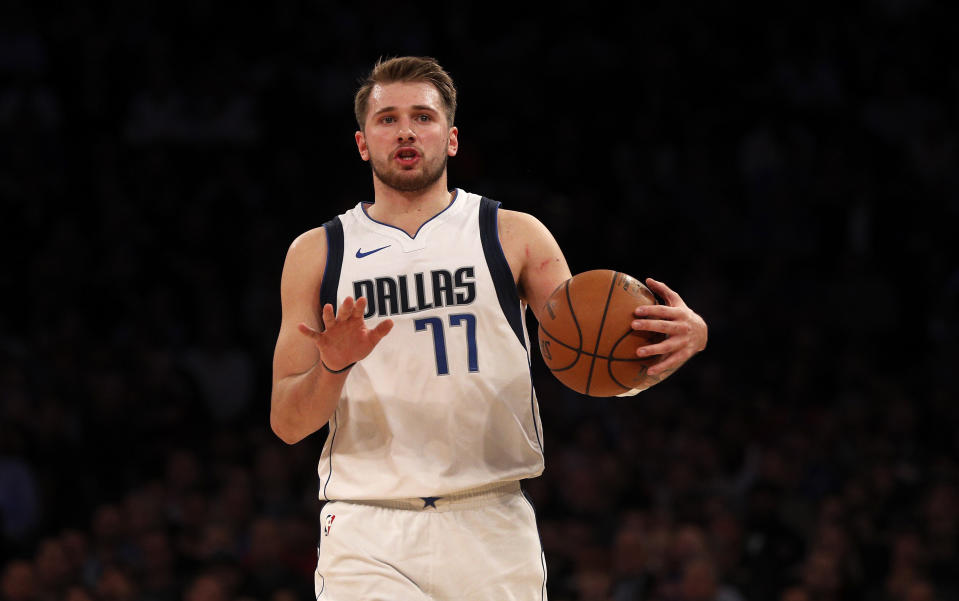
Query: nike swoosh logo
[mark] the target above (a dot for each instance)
(360, 254)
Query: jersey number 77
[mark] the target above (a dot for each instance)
(436, 325)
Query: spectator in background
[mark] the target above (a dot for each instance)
(632, 578)
(822, 576)
(795, 593)
(116, 584)
(75, 543)
(770, 544)
(52, 570)
(19, 494)
(273, 481)
(206, 587)
(701, 582)
(158, 569)
(109, 546)
(78, 593)
(920, 590)
(222, 367)
(267, 560)
(939, 511)
(18, 582)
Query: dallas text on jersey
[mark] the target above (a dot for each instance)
(390, 295)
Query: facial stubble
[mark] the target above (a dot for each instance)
(400, 180)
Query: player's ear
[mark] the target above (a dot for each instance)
(454, 144)
(361, 145)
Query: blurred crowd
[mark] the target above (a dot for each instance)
(791, 173)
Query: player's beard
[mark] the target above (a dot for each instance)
(404, 181)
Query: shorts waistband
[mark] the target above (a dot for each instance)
(474, 497)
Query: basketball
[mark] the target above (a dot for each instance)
(585, 336)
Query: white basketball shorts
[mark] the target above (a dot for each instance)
(481, 545)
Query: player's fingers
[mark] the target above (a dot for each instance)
(382, 329)
(670, 328)
(670, 345)
(658, 311)
(346, 309)
(672, 299)
(669, 364)
(359, 309)
(307, 330)
(328, 316)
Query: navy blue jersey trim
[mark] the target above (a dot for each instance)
(456, 194)
(532, 403)
(328, 288)
(334, 263)
(499, 268)
(542, 551)
(329, 476)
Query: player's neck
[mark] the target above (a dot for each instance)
(408, 210)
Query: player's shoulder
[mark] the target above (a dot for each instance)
(520, 224)
(308, 245)
(311, 237)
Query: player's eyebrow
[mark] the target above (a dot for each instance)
(416, 107)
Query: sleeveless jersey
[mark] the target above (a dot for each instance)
(445, 402)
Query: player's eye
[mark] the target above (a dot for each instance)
(424, 117)
(388, 120)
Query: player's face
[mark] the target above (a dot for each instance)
(406, 138)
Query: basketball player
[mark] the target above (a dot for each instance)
(422, 371)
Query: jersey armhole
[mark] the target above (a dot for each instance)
(499, 269)
(334, 263)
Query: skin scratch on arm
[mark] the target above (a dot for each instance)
(544, 264)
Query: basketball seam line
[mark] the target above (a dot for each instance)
(572, 313)
(579, 331)
(580, 351)
(609, 364)
(599, 332)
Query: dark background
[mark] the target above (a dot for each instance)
(791, 172)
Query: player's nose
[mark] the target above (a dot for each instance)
(406, 132)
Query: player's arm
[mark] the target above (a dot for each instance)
(315, 346)
(540, 267)
(538, 263)
(304, 394)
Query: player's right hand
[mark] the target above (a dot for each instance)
(345, 339)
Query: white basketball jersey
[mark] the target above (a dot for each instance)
(445, 402)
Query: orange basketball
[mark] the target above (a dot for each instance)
(585, 336)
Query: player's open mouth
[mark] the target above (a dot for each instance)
(406, 156)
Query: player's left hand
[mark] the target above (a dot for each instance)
(685, 331)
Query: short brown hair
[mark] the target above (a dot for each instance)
(406, 69)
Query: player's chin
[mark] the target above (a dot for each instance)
(409, 181)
